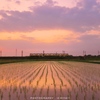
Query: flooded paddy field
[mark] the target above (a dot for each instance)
(50, 80)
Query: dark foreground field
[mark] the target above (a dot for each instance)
(88, 59)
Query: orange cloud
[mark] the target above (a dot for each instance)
(9, 36)
(44, 36)
(93, 32)
(52, 36)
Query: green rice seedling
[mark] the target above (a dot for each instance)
(46, 76)
(93, 98)
(41, 90)
(9, 96)
(84, 96)
(76, 96)
(61, 92)
(14, 89)
(1, 95)
(18, 97)
(34, 89)
(48, 91)
(58, 76)
(20, 90)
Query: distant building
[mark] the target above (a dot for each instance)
(49, 54)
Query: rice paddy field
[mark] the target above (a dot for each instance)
(50, 80)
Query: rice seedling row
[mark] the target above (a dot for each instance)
(74, 80)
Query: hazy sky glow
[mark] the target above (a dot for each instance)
(50, 25)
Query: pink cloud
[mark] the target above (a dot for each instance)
(18, 2)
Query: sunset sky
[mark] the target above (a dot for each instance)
(49, 25)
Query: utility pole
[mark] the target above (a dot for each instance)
(0, 53)
(84, 53)
(22, 53)
(98, 53)
(43, 53)
(56, 54)
(63, 53)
